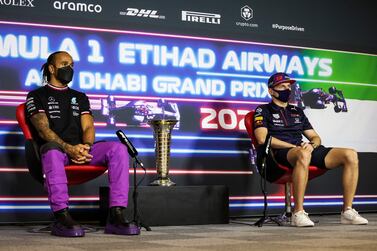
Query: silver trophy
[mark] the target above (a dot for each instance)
(162, 134)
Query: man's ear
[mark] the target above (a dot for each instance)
(51, 69)
(270, 91)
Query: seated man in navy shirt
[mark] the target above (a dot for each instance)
(63, 121)
(286, 124)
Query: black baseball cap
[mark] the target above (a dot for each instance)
(279, 78)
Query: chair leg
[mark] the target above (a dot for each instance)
(288, 203)
(285, 218)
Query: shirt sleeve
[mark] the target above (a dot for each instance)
(33, 104)
(305, 122)
(85, 106)
(260, 117)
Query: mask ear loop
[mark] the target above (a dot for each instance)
(275, 93)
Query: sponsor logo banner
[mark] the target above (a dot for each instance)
(200, 17)
(77, 6)
(246, 15)
(133, 12)
(288, 28)
(18, 3)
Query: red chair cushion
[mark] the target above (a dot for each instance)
(287, 177)
(78, 174)
(20, 115)
(249, 126)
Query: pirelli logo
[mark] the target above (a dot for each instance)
(200, 17)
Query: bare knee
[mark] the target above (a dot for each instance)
(303, 158)
(351, 157)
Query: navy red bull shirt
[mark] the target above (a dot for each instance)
(286, 124)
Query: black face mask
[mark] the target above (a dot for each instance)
(65, 74)
(283, 95)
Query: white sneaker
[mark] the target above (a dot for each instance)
(301, 219)
(351, 216)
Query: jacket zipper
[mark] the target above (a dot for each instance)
(284, 119)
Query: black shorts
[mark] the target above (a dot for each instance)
(280, 156)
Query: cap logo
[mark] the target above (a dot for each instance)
(278, 78)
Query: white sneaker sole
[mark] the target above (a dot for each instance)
(349, 222)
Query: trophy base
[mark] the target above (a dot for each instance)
(166, 182)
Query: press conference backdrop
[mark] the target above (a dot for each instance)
(205, 63)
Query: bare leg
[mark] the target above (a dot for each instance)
(347, 158)
(299, 159)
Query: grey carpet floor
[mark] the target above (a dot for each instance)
(328, 234)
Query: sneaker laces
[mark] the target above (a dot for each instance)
(305, 214)
(354, 213)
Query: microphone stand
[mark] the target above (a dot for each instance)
(263, 171)
(137, 218)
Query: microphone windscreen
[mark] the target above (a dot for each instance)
(124, 140)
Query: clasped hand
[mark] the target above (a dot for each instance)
(307, 146)
(80, 154)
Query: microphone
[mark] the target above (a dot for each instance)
(267, 144)
(130, 147)
(266, 151)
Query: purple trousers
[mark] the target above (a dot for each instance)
(111, 154)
